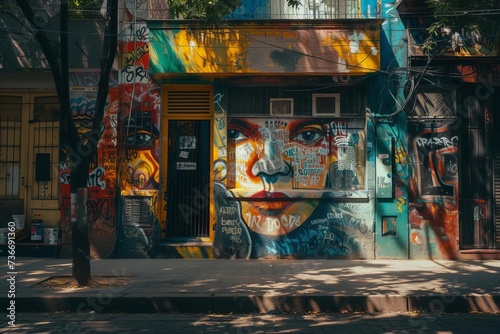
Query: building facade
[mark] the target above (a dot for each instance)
(454, 186)
(262, 134)
(287, 133)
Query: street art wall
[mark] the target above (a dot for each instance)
(101, 183)
(127, 163)
(433, 210)
(255, 49)
(314, 172)
(138, 226)
(265, 47)
(293, 188)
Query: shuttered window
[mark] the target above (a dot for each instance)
(431, 101)
(189, 100)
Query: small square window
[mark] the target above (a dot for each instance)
(281, 107)
(326, 105)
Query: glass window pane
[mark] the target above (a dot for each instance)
(46, 109)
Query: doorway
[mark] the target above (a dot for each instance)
(479, 178)
(187, 163)
(188, 180)
(29, 155)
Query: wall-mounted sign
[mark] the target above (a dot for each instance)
(186, 166)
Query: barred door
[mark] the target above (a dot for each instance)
(29, 156)
(188, 183)
(477, 186)
(11, 196)
(186, 167)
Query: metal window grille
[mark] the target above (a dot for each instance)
(45, 127)
(10, 146)
(433, 102)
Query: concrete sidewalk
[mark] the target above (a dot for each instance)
(265, 286)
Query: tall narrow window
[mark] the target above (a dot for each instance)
(10, 145)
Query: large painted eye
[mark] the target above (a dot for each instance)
(236, 135)
(139, 139)
(309, 136)
(143, 139)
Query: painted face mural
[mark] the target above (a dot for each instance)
(274, 165)
(282, 174)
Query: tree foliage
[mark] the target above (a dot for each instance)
(84, 9)
(459, 16)
(294, 3)
(212, 11)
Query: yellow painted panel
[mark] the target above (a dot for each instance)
(257, 50)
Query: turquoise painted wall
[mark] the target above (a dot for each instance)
(391, 221)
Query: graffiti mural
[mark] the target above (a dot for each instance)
(433, 212)
(295, 154)
(141, 173)
(333, 230)
(282, 178)
(90, 79)
(139, 120)
(140, 105)
(253, 49)
(101, 182)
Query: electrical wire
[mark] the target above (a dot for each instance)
(413, 86)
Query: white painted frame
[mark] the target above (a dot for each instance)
(275, 103)
(335, 103)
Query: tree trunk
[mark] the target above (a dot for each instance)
(80, 160)
(86, 148)
(80, 150)
(80, 228)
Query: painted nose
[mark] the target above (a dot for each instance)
(271, 161)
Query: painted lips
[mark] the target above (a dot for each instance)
(271, 200)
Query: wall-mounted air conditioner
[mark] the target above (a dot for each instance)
(326, 105)
(281, 106)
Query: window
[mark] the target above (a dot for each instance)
(326, 105)
(433, 102)
(281, 107)
(10, 146)
(348, 101)
(46, 109)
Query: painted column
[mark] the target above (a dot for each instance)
(139, 164)
(391, 225)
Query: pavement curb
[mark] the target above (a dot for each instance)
(106, 303)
